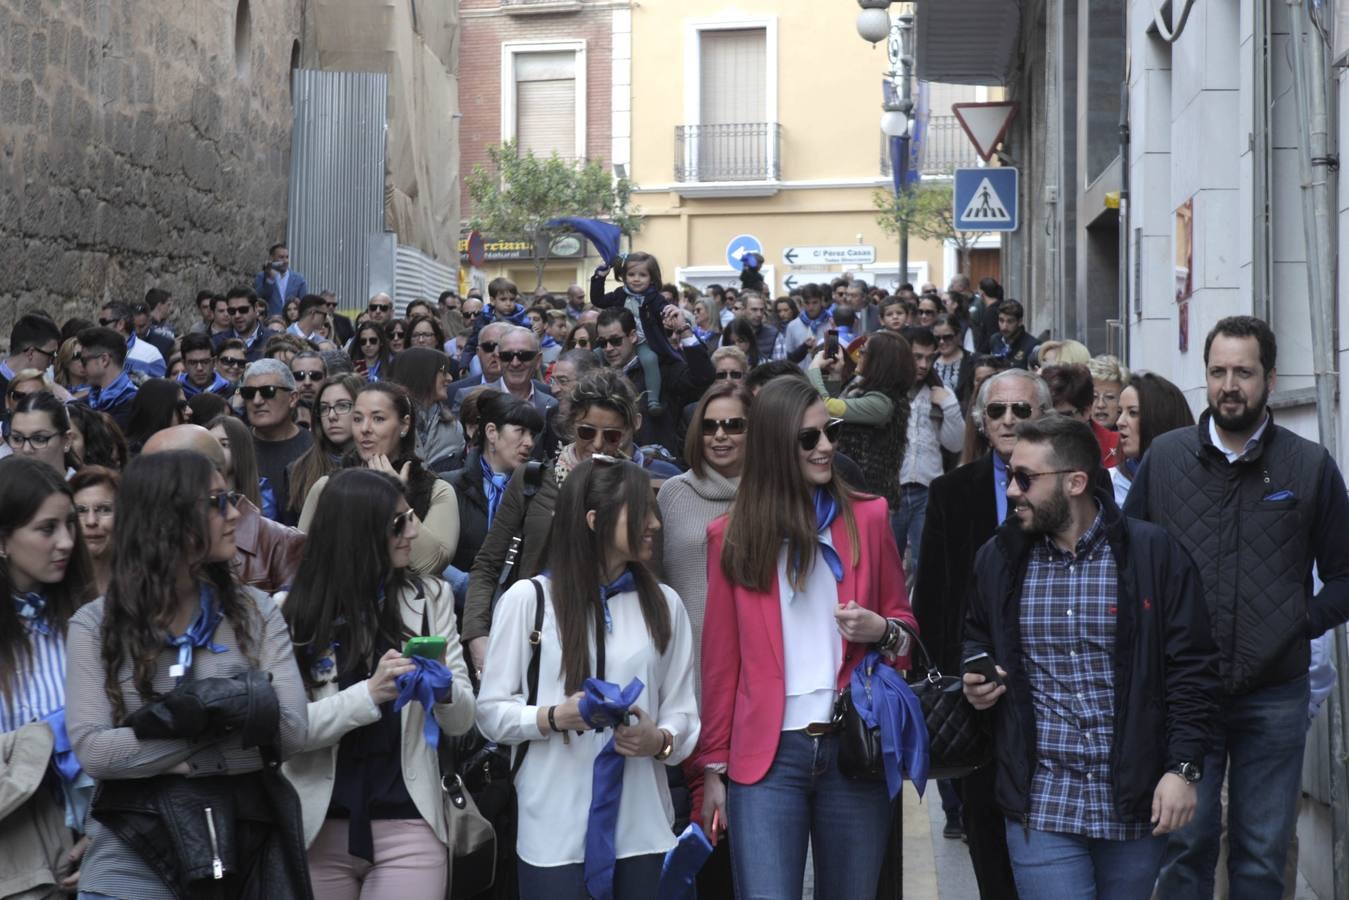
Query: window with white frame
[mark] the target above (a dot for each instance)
(730, 101)
(543, 103)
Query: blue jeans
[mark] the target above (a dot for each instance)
(907, 522)
(1259, 746)
(635, 878)
(1049, 865)
(805, 800)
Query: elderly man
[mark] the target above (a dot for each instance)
(488, 364)
(518, 353)
(269, 400)
(964, 508)
(267, 554)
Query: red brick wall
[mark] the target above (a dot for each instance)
(480, 75)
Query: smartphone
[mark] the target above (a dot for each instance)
(432, 647)
(831, 343)
(982, 664)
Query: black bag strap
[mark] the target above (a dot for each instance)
(532, 673)
(533, 479)
(922, 657)
(599, 644)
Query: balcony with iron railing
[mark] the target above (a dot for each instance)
(737, 156)
(944, 147)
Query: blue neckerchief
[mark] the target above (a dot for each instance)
(679, 872)
(110, 396)
(642, 297)
(268, 497)
(201, 632)
(883, 700)
(32, 610)
(816, 323)
(494, 486)
(190, 390)
(372, 372)
(605, 705)
(826, 510)
(1000, 486)
(549, 342)
(520, 316)
(429, 683)
(702, 334)
(624, 582)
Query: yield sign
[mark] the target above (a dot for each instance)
(986, 123)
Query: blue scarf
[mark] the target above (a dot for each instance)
(883, 700)
(519, 317)
(679, 872)
(372, 372)
(624, 582)
(826, 510)
(108, 397)
(199, 634)
(494, 486)
(605, 705)
(816, 323)
(429, 683)
(32, 610)
(219, 385)
(549, 342)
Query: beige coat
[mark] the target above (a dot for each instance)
(33, 835)
(334, 712)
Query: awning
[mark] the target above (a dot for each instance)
(967, 41)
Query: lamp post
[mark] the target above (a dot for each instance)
(873, 24)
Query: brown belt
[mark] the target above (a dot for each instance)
(820, 729)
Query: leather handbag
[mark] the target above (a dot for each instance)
(472, 841)
(859, 746)
(958, 739)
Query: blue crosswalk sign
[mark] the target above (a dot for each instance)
(986, 199)
(739, 246)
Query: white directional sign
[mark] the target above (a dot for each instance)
(843, 254)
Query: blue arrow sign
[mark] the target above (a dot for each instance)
(738, 247)
(986, 199)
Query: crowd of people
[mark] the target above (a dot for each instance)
(273, 577)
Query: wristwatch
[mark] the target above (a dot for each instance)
(667, 747)
(1189, 771)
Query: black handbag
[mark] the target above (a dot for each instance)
(957, 737)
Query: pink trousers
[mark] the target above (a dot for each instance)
(410, 863)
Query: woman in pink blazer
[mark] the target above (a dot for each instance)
(803, 579)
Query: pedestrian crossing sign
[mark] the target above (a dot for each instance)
(985, 199)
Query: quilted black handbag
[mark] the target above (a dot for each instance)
(958, 740)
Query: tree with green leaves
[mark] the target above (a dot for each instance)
(927, 208)
(519, 194)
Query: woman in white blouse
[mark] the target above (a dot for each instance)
(597, 586)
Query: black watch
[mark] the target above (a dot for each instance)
(1189, 771)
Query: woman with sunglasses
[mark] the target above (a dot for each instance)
(873, 408)
(368, 779)
(803, 580)
(175, 633)
(601, 602)
(39, 428)
(45, 575)
(384, 433)
(730, 364)
(603, 420)
(159, 404)
(95, 492)
(508, 428)
(230, 362)
(954, 365)
(331, 413)
(565, 373)
(68, 370)
(370, 350)
(395, 332)
(583, 336)
(241, 464)
(425, 373)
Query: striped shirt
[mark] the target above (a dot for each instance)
(38, 687)
(1068, 620)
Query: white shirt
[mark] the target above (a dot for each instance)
(812, 649)
(553, 785)
(1121, 483)
(1250, 442)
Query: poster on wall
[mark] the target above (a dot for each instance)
(1184, 271)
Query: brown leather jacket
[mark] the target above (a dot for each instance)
(267, 553)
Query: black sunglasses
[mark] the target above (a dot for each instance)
(732, 426)
(615, 341)
(108, 323)
(238, 310)
(233, 362)
(1024, 478)
(307, 376)
(369, 342)
(400, 523)
(809, 438)
(47, 353)
(730, 375)
(224, 500)
(268, 391)
(1020, 409)
(943, 338)
(510, 356)
(380, 307)
(612, 436)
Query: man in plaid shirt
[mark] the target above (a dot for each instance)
(1110, 671)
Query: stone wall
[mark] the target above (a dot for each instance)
(139, 148)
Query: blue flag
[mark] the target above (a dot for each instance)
(604, 235)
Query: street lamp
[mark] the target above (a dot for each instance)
(873, 24)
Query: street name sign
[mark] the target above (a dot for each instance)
(840, 255)
(986, 199)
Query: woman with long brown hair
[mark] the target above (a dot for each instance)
(806, 581)
(167, 676)
(331, 415)
(602, 603)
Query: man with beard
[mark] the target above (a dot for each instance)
(1255, 506)
(1094, 624)
(964, 508)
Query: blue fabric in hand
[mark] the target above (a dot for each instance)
(429, 683)
(679, 872)
(605, 705)
(883, 699)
